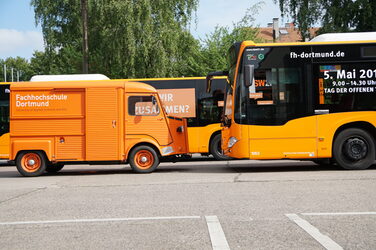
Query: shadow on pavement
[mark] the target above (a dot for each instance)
(221, 167)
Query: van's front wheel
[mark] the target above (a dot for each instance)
(354, 149)
(31, 163)
(143, 159)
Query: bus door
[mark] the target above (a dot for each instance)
(277, 110)
(144, 117)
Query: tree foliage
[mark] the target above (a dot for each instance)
(332, 15)
(216, 44)
(127, 38)
(20, 65)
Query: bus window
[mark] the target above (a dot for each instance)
(210, 105)
(278, 96)
(346, 87)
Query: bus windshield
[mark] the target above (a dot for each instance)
(231, 62)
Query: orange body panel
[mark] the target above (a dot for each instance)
(25, 143)
(304, 138)
(328, 124)
(199, 137)
(180, 137)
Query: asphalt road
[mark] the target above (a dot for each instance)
(199, 204)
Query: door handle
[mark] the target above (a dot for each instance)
(159, 119)
(113, 123)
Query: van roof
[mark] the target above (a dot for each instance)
(71, 77)
(128, 86)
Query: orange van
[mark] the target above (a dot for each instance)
(70, 122)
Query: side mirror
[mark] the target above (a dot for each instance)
(248, 75)
(210, 76)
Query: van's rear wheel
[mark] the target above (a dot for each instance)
(354, 149)
(31, 163)
(216, 150)
(143, 159)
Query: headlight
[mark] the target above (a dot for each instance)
(167, 150)
(231, 142)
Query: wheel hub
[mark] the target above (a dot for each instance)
(143, 159)
(31, 162)
(355, 149)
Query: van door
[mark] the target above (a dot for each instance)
(102, 129)
(144, 117)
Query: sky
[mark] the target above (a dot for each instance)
(19, 35)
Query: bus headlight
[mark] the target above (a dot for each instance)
(231, 142)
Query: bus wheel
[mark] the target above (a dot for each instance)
(31, 163)
(54, 167)
(216, 150)
(143, 159)
(354, 149)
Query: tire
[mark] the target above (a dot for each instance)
(143, 159)
(31, 163)
(215, 149)
(354, 149)
(54, 167)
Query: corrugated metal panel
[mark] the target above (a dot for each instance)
(102, 130)
(70, 147)
(45, 127)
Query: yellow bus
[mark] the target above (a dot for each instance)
(309, 100)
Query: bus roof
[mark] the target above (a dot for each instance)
(350, 36)
(251, 43)
(76, 77)
(173, 78)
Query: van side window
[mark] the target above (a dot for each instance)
(143, 106)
